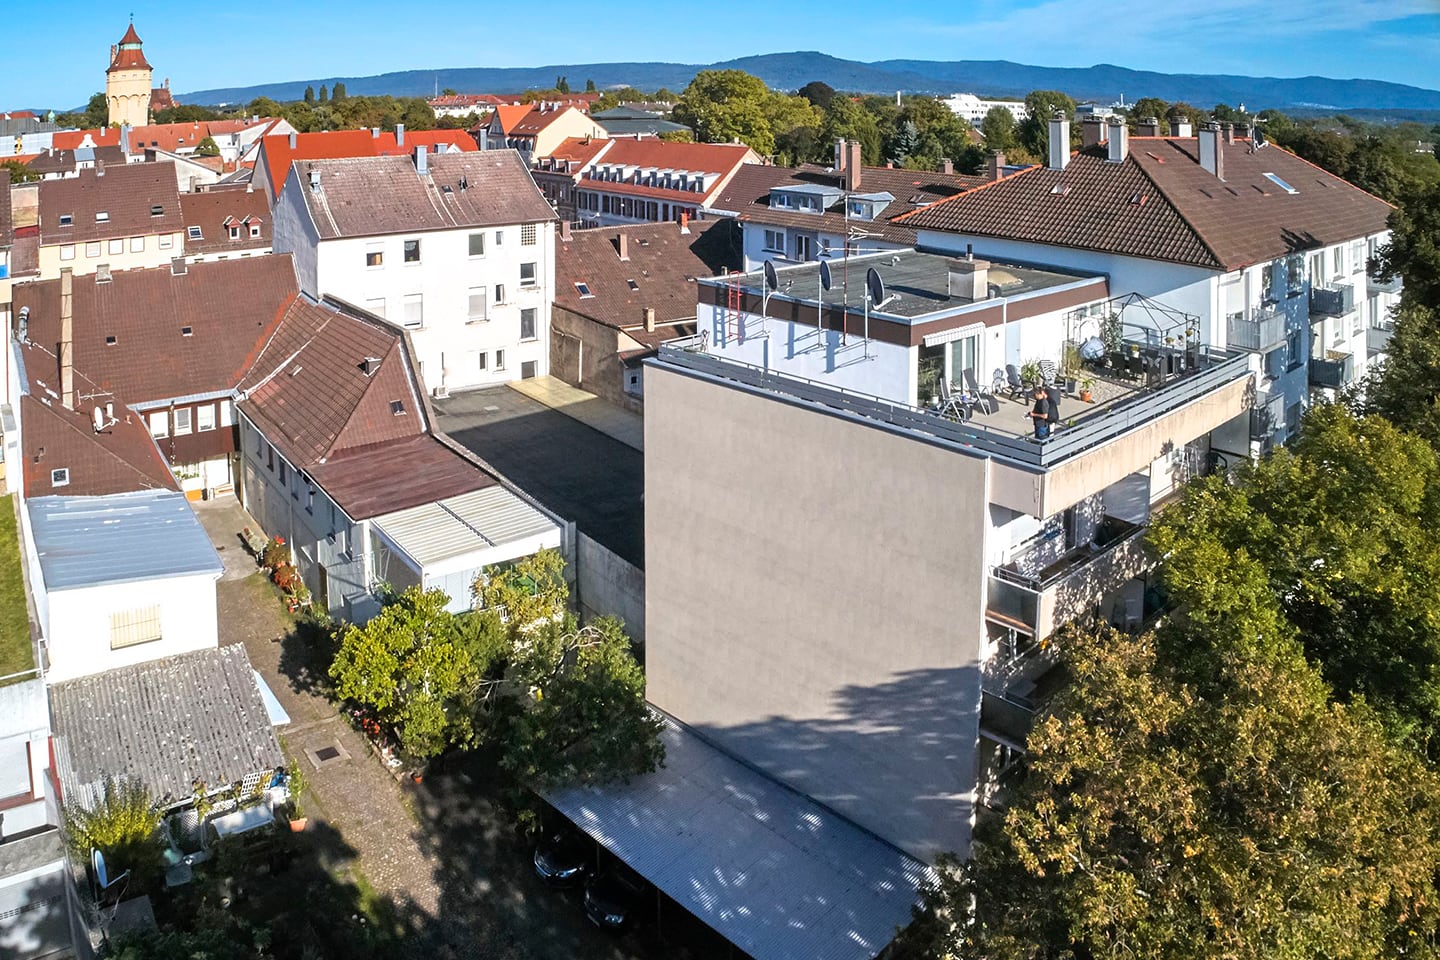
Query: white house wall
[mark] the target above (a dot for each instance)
(78, 639)
(293, 233)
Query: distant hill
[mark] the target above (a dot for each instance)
(790, 71)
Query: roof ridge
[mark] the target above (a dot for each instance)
(1215, 257)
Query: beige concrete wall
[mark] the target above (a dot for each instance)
(585, 354)
(83, 263)
(813, 601)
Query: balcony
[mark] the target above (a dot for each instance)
(1376, 285)
(1070, 586)
(1332, 300)
(1266, 417)
(1263, 332)
(1377, 339)
(1336, 370)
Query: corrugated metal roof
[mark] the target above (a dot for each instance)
(469, 523)
(169, 723)
(772, 871)
(23, 708)
(121, 538)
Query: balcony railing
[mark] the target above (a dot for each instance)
(1264, 331)
(1333, 300)
(1377, 339)
(1267, 416)
(1375, 285)
(1212, 370)
(1333, 371)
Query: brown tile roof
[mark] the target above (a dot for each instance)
(213, 211)
(119, 459)
(1160, 204)
(161, 99)
(579, 150)
(127, 194)
(171, 137)
(230, 306)
(63, 161)
(309, 394)
(748, 195)
(338, 144)
(663, 263)
(128, 55)
(381, 195)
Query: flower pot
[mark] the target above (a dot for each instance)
(1085, 396)
(417, 777)
(298, 824)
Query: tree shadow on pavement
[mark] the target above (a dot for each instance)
(305, 656)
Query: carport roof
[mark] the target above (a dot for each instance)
(776, 874)
(456, 526)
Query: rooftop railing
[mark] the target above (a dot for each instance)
(1212, 371)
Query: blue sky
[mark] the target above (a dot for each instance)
(62, 49)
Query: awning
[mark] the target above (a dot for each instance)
(947, 336)
(773, 872)
(469, 530)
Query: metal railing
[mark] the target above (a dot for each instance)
(1333, 300)
(1078, 558)
(1215, 370)
(1332, 372)
(1264, 330)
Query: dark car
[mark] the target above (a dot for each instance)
(564, 857)
(616, 899)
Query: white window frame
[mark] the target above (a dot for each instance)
(499, 359)
(184, 421)
(166, 241)
(474, 237)
(534, 279)
(205, 418)
(92, 248)
(159, 423)
(67, 251)
(534, 315)
(60, 477)
(405, 257)
(137, 244)
(227, 413)
(413, 319)
(480, 295)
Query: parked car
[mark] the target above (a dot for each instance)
(564, 857)
(617, 898)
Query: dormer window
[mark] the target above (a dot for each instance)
(254, 230)
(234, 231)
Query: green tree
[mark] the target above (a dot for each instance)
(515, 597)
(409, 667)
(1180, 110)
(124, 825)
(19, 172)
(1226, 113)
(417, 115)
(310, 95)
(849, 120)
(263, 107)
(564, 85)
(337, 93)
(1041, 106)
(186, 113)
(447, 92)
(233, 941)
(1148, 107)
(999, 131)
(1240, 815)
(324, 94)
(589, 86)
(207, 147)
(819, 93)
(725, 105)
(795, 124)
(904, 143)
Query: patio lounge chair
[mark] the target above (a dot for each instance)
(951, 406)
(984, 399)
(1012, 382)
(1047, 371)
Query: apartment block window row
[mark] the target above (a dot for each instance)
(199, 418)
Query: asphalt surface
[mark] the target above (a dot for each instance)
(574, 470)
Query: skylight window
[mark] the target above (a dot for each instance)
(1280, 183)
(195, 233)
(60, 477)
(397, 407)
(157, 211)
(187, 331)
(102, 216)
(584, 289)
(633, 285)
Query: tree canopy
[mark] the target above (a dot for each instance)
(726, 105)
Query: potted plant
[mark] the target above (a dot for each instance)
(1086, 385)
(1030, 373)
(1073, 362)
(296, 785)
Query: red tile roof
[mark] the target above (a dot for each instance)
(161, 99)
(716, 158)
(116, 202)
(70, 139)
(578, 151)
(128, 55)
(338, 144)
(229, 306)
(1160, 204)
(214, 211)
(119, 459)
(510, 116)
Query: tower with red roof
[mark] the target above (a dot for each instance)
(127, 82)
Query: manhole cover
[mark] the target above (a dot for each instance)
(327, 753)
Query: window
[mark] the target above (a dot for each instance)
(67, 219)
(234, 232)
(632, 284)
(374, 258)
(583, 289)
(1317, 269)
(309, 499)
(67, 251)
(182, 421)
(479, 304)
(130, 627)
(102, 216)
(1372, 247)
(254, 229)
(528, 369)
(414, 315)
(482, 361)
(397, 408)
(499, 293)
(412, 251)
(205, 418)
(527, 324)
(157, 211)
(137, 244)
(92, 249)
(527, 235)
(1267, 283)
(376, 306)
(227, 413)
(160, 424)
(1337, 261)
(60, 477)
(775, 241)
(194, 233)
(499, 238)
(477, 244)
(284, 473)
(528, 275)
(269, 458)
(1295, 275)
(499, 359)
(166, 242)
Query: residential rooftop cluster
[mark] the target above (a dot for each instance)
(897, 428)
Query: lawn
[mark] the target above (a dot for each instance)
(17, 653)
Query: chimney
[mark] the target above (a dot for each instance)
(374, 133)
(293, 135)
(1119, 142)
(1092, 132)
(970, 279)
(99, 167)
(947, 165)
(194, 184)
(1212, 149)
(623, 245)
(648, 314)
(1227, 132)
(125, 129)
(399, 134)
(422, 161)
(1180, 127)
(67, 338)
(565, 235)
(841, 155)
(314, 179)
(854, 165)
(1147, 127)
(1059, 141)
(685, 223)
(995, 169)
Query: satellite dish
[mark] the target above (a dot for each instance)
(771, 280)
(97, 860)
(99, 418)
(875, 286)
(825, 274)
(1259, 138)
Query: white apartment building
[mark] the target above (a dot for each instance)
(457, 249)
(974, 108)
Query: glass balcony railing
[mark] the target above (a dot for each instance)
(1262, 332)
(1335, 370)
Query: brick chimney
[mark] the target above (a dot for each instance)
(67, 338)
(1227, 132)
(565, 235)
(1092, 132)
(622, 243)
(947, 165)
(1212, 149)
(1118, 146)
(685, 223)
(995, 168)
(1059, 142)
(1147, 127)
(841, 155)
(648, 315)
(854, 165)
